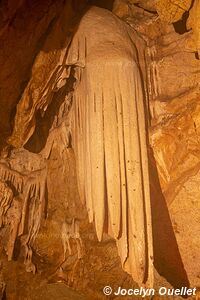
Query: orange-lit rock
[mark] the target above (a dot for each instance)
(44, 218)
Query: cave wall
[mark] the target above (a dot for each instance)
(25, 26)
(173, 72)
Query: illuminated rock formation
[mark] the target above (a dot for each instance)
(77, 86)
(109, 137)
(111, 154)
(27, 205)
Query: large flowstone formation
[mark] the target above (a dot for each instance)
(99, 139)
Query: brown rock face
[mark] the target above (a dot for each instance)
(19, 34)
(85, 200)
(173, 74)
(24, 30)
(172, 11)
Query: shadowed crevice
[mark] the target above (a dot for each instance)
(167, 258)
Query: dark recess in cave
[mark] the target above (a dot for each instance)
(44, 123)
(168, 263)
(180, 26)
(154, 12)
(108, 4)
(4, 296)
(197, 55)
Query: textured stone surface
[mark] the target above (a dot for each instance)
(173, 74)
(172, 11)
(174, 94)
(185, 212)
(26, 26)
(57, 291)
(194, 24)
(22, 35)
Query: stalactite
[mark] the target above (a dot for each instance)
(6, 198)
(35, 188)
(12, 176)
(28, 208)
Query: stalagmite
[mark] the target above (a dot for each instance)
(109, 137)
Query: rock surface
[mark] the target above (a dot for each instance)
(170, 30)
(174, 94)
